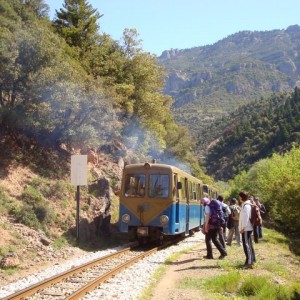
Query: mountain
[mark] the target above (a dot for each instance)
(253, 132)
(209, 82)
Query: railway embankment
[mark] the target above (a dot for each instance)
(181, 273)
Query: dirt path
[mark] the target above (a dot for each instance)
(273, 260)
(189, 264)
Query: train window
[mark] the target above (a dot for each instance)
(177, 187)
(159, 186)
(183, 194)
(205, 189)
(194, 191)
(190, 185)
(135, 185)
(194, 195)
(199, 194)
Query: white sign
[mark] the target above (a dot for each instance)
(79, 170)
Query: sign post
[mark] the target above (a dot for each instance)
(78, 178)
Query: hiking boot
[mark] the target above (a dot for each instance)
(208, 257)
(222, 256)
(248, 266)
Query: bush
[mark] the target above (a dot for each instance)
(5, 201)
(32, 196)
(44, 214)
(28, 217)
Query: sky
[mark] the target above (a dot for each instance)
(181, 24)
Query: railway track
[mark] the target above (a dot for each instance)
(75, 283)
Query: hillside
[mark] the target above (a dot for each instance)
(211, 81)
(253, 132)
(38, 208)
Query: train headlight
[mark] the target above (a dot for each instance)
(125, 218)
(164, 219)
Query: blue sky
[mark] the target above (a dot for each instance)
(181, 24)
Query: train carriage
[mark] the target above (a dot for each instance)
(159, 200)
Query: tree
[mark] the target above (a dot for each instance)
(77, 23)
(37, 7)
(131, 45)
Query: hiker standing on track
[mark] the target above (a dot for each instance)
(246, 229)
(211, 231)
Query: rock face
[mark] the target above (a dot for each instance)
(107, 165)
(11, 260)
(102, 208)
(95, 220)
(234, 71)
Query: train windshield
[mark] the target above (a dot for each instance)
(135, 185)
(159, 186)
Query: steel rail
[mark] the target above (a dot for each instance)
(29, 291)
(93, 284)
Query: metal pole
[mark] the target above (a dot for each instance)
(77, 212)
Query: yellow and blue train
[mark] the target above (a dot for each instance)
(159, 200)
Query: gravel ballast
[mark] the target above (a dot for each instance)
(125, 286)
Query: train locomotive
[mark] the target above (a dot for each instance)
(160, 201)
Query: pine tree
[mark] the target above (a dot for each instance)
(77, 23)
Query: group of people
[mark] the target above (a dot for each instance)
(237, 220)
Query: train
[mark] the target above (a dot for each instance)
(160, 201)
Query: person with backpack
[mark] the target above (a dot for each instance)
(226, 212)
(214, 220)
(263, 211)
(256, 219)
(233, 222)
(246, 229)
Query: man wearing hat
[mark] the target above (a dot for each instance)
(233, 222)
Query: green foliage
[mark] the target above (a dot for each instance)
(77, 23)
(36, 211)
(277, 181)
(78, 87)
(11, 271)
(56, 190)
(234, 284)
(5, 202)
(211, 81)
(28, 217)
(32, 196)
(252, 286)
(223, 284)
(262, 288)
(66, 86)
(59, 243)
(254, 132)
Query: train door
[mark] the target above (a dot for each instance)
(200, 193)
(187, 216)
(178, 186)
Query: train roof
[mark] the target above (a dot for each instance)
(159, 167)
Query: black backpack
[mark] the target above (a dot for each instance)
(217, 216)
